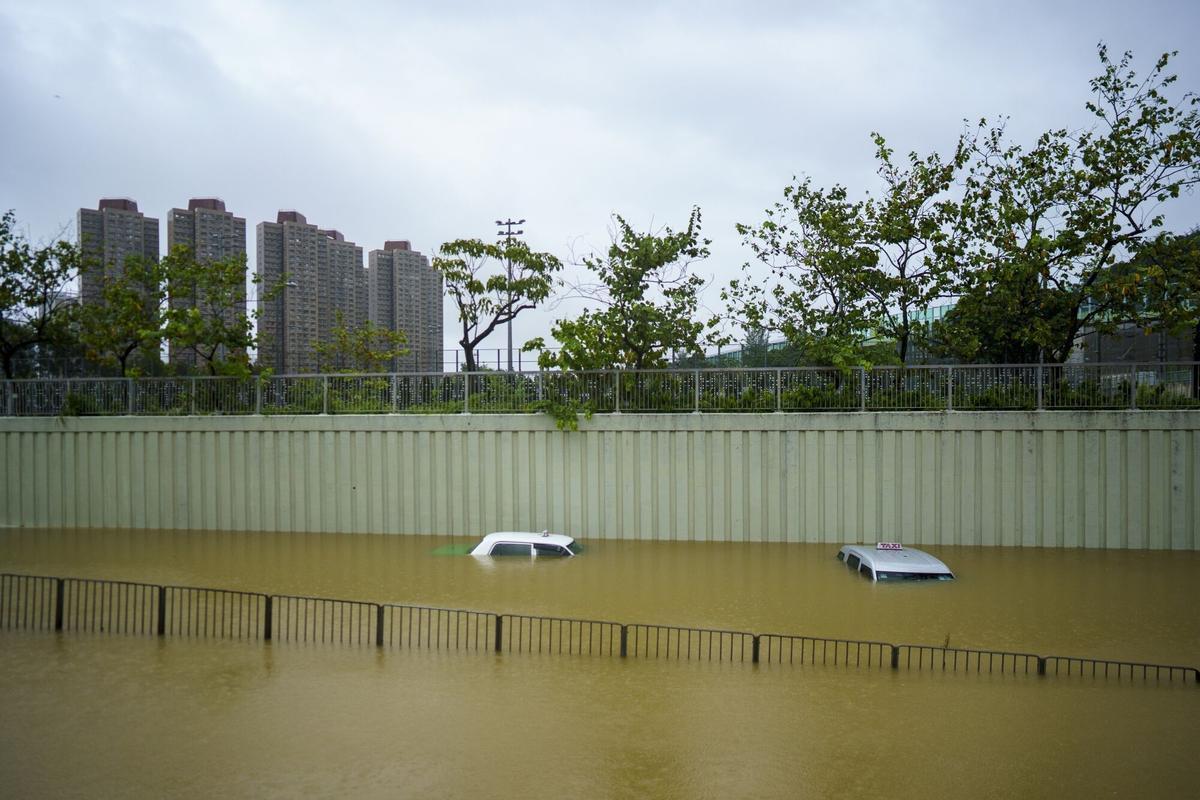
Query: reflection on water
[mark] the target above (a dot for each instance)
(1133, 605)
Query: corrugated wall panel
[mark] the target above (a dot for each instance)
(1099, 479)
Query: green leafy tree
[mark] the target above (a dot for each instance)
(367, 348)
(206, 317)
(34, 302)
(648, 298)
(125, 326)
(848, 274)
(1165, 272)
(1043, 225)
(491, 284)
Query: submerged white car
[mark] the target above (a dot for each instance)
(890, 561)
(522, 543)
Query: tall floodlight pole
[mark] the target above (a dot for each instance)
(507, 234)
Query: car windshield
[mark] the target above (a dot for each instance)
(913, 576)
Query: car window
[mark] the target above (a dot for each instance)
(852, 561)
(866, 572)
(549, 550)
(510, 549)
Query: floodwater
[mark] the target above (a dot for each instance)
(128, 716)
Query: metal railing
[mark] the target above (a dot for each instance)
(84, 605)
(1010, 387)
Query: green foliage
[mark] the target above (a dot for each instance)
(491, 284)
(648, 300)
(368, 348)
(125, 328)
(847, 274)
(1041, 226)
(206, 314)
(1160, 286)
(34, 308)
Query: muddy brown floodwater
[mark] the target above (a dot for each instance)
(128, 716)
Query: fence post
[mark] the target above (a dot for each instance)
(624, 640)
(466, 392)
(862, 388)
(949, 388)
(129, 395)
(9, 395)
(192, 393)
(696, 407)
(258, 394)
(1133, 379)
(162, 611)
(540, 378)
(617, 373)
(324, 394)
(1041, 665)
(895, 656)
(754, 650)
(379, 626)
(267, 609)
(1040, 382)
(779, 390)
(59, 591)
(499, 632)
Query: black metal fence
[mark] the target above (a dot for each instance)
(41, 603)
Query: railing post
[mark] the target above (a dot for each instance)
(1041, 665)
(617, 373)
(59, 592)
(192, 394)
(379, 626)
(10, 392)
(754, 650)
(258, 394)
(779, 390)
(1133, 379)
(267, 621)
(949, 388)
(1040, 383)
(624, 640)
(395, 399)
(162, 611)
(324, 394)
(696, 393)
(895, 656)
(466, 392)
(129, 395)
(499, 632)
(540, 376)
(862, 388)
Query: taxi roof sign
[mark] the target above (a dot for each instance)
(889, 546)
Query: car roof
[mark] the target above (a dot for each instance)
(528, 537)
(909, 559)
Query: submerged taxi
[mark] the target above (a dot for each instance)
(530, 545)
(891, 561)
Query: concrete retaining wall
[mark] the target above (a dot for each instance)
(1060, 479)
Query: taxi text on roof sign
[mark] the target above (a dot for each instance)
(889, 546)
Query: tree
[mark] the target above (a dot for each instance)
(486, 301)
(850, 273)
(368, 348)
(126, 323)
(206, 317)
(34, 302)
(648, 299)
(1042, 226)
(1160, 286)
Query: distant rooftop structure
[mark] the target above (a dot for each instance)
(333, 233)
(117, 204)
(397, 244)
(290, 215)
(211, 203)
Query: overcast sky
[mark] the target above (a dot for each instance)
(428, 121)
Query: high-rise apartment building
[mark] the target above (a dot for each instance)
(108, 235)
(313, 274)
(405, 294)
(212, 234)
